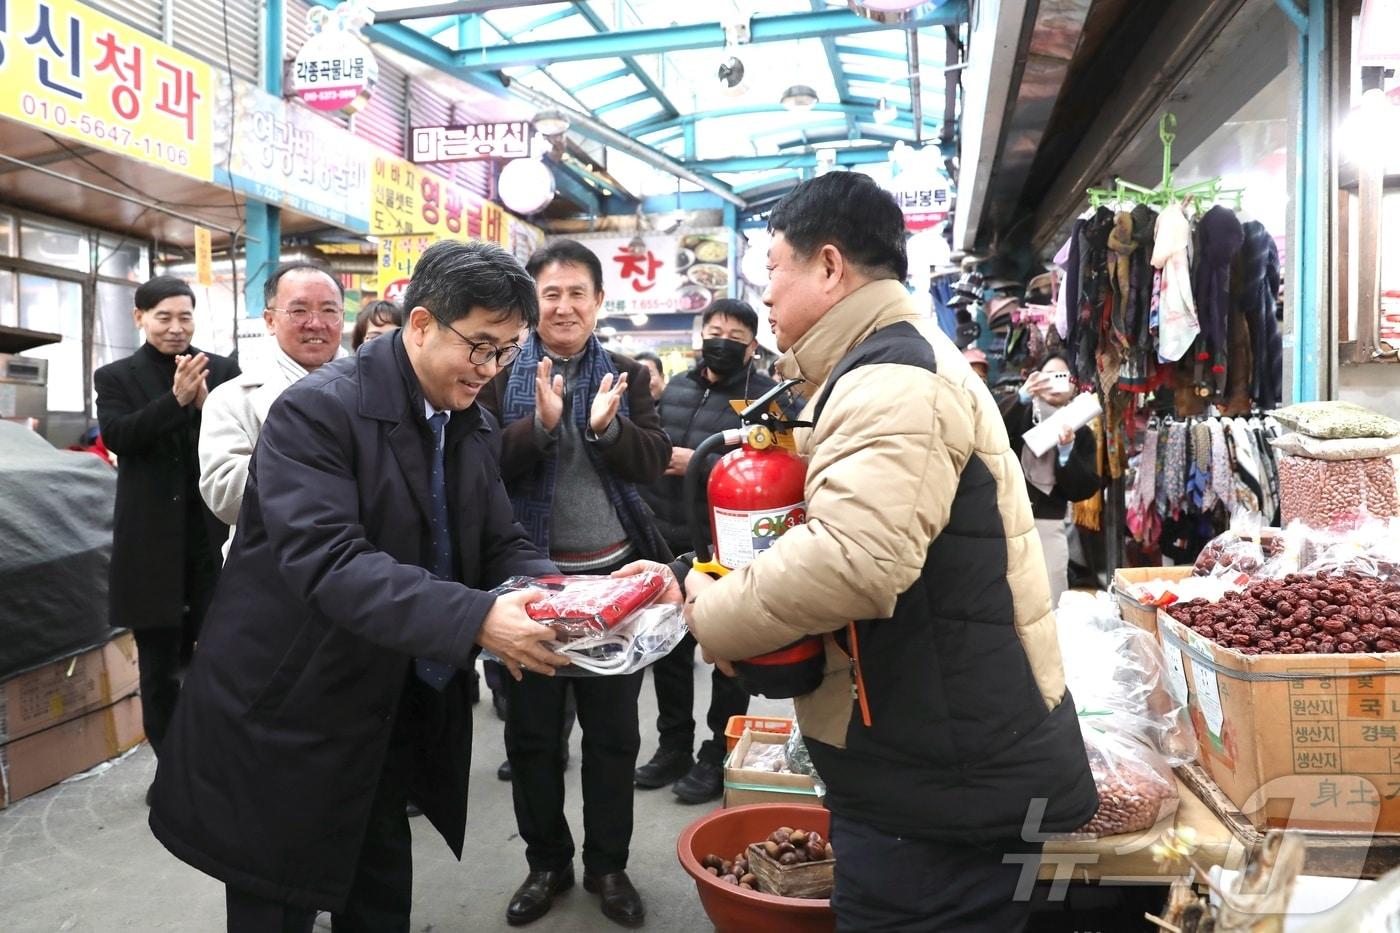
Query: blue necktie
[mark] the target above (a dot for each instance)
(436, 674)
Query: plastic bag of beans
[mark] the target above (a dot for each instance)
(1336, 493)
(1136, 787)
(1333, 419)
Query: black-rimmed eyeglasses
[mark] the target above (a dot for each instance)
(482, 353)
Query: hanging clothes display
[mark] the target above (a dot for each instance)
(1192, 475)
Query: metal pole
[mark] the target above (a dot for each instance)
(915, 88)
(264, 220)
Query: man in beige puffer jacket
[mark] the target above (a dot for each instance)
(942, 728)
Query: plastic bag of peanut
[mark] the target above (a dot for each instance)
(1136, 787)
(1336, 493)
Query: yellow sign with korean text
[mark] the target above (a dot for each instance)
(203, 257)
(397, 257)
(405, 198)
(67, 69)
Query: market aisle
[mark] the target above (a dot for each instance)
(79, 857)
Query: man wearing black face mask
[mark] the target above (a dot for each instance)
(695, 405)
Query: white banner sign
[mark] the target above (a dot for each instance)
(471, 142)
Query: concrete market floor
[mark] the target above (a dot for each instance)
(79, 856)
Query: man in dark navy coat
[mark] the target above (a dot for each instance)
(324, 693)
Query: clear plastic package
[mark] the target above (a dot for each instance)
(1118, 676)
(1136, 787)
(606, 625)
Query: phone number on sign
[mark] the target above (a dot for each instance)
(60, 115)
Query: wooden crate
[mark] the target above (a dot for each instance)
(1332, 854)
(805, 879)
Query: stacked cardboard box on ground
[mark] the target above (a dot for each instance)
(745, 785)
(68, 715)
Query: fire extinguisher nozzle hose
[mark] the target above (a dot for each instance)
(695, 476)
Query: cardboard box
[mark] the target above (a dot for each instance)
(1138, 613)
(68, 688)
(44, 758)
(742, 785)
(1310, 741)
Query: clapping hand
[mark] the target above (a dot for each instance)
(549, 395)
(606, 402)
(191, 373)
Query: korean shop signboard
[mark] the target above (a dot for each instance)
(471, 142)
(69, 70)
(334, 69)
(283, 153)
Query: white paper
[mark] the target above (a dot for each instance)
(1075, 415)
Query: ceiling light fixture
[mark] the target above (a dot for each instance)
(799, 97)
(885, 112)
(551, 122)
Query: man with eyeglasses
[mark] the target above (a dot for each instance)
(304, 309)
(326, 690)
(580, 434)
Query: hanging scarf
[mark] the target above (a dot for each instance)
(1088, 513)
(533, 494)
(1121, 246)
(1221, 481)
(1174, 479)
(1201, 492)
(1177, 324)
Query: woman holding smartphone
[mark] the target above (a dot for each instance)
(1065, 473)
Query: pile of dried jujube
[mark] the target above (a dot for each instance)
(1242, 554)
(1301, 614)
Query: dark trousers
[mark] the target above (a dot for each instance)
(161, 656)
(675, 700)
(535, 727)
(888, 883)
(381, 894)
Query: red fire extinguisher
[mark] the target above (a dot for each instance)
(755, 494)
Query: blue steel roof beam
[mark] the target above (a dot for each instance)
(621, 102)
(652, 126)
(542, 21)
(594, 20)
(833, 62)
(777, 28)
(603, 78)
(449, 22)
(789, 160)
(901, 57)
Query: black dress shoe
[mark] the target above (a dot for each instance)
(704, 783)
(621, 902)
(665, 766)
(504, 772)
(535, 896)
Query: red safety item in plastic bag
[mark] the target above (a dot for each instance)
(577, 606)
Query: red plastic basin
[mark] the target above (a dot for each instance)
(734, 910)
